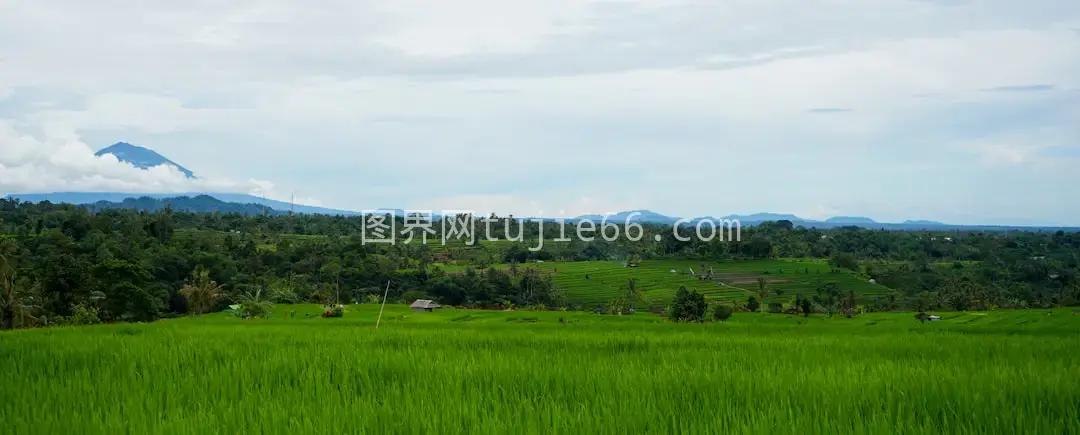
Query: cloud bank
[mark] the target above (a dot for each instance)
(61, 162)
(894, 109)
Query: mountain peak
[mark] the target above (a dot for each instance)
(139, 157)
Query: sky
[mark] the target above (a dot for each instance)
(951, 110)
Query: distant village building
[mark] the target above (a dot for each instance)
(424, 305)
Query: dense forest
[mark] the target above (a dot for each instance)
(71, 264)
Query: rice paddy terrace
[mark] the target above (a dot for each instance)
(598, 282)
(496, 372)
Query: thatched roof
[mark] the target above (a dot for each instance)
(425, 303)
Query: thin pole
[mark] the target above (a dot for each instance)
(383, 304)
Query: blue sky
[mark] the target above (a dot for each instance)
(959, 111)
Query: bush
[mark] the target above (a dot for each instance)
(335, 311)
(722, 312)
(253, 310)
(807, 307)
(844, 261)
(776, 307)
(80, 315)
(688, 306)
(752, 304)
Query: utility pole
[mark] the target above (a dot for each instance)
(385, 293)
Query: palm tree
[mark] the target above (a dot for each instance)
(17, 300)
(201, 292)
(763, 292)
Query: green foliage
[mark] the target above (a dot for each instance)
(722, 312)
(776, 307)
(688, 306)
(334, 311)
(201, 292)
(412, 295)
(1004, 372)
(806, 307)
(81, 315)
(282, 292)
(844, 260)
(19, 299)
(253, 304)
(134, 266)
(829, 297)
(752, 304)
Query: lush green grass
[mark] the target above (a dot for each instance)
(461, 371)
(732, 279)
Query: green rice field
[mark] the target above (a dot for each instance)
(495, 372)
(607, 280)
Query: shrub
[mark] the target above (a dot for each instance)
(722, 312)
(688, 306)
(844, 260)
(805, 305)
(253, 310)
(752, 304)
(80, 315)
(334, 311)
(776, 307)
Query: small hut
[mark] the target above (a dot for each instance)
(424, 305)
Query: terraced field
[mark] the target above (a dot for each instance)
(526, 372)
(598, 282)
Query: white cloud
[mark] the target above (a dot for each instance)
(818, 212)
(63, 163)
(148, 113)
(997, 153)
(531, 104)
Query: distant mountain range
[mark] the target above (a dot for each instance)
(757, 218)
(196, 204)
(90, 198)
(251, 205)
(248, 204)
(145, 158)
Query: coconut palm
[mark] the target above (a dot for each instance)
(763, 292)
(201, 292)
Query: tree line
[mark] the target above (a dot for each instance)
(68, 264)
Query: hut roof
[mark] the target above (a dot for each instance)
(425, 303)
